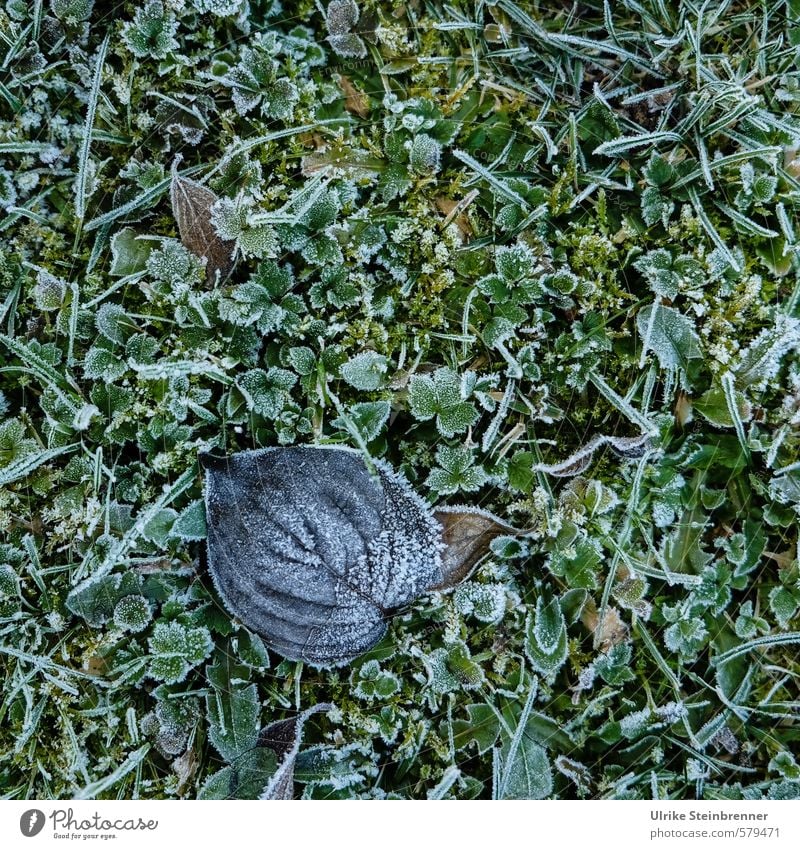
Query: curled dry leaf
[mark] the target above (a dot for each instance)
(284, 737)
(191, 206)
(628, 447)
(313, 549)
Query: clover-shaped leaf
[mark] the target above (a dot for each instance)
(441, 395)
(266, 392)
(457, 471)
(175, 649)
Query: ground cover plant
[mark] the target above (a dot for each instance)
(540, 257)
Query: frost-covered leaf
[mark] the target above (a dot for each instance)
(785, 764)
(132, 613)
(371, 683)
(302, 359)
(669, 334)
(452, 669)
(368, 418)
(157, 528)
(425, 154)
(467, 533)
(223, 8)
(191, 523)
(656, 267)
(310, 548)
(233, 720)
(481, 727)
(365, 371)
(759, 362)
(546, 639)
(113, 322)
(656, 207)
(484, 602)
(49, 291)
(96, 599)
(579, 774)
(457, 471)
(245, 779)
(103, 364)
(191, 206)
(714, 406)
(72, 11)
(784, 604)
(266, 392)
(522, 767)
(175, 649)
(341, 17)
(129, 252)
(687, 636)
(613, 666)
(151, 33)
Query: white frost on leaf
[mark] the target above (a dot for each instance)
(758, 364)
(312, 551)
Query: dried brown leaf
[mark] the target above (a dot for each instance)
(283, 737)
(191, 206)
(454, 211)
(467, 533)
(185, 767)
(611, 632)
(683, 409)
(355, 101)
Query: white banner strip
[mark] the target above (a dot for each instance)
(385, 825)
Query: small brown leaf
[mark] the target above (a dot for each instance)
(355, 101)
(185, 768)
(96, 665)
(454, 210)
(611, 632)
(467, 533)
(283, 737)
(191, 206)
(683, 409)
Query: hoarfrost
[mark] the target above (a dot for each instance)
(312, 551)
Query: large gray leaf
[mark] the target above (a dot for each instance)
(312, 549)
